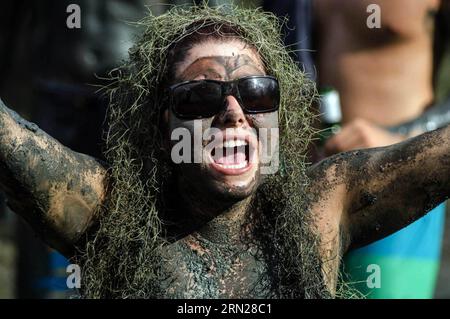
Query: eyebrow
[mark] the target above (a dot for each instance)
(217, 64)
(258, 71)
(241, 61)
(192, 71)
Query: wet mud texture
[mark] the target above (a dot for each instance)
(53, 188)
(387, 188)
(199, 268)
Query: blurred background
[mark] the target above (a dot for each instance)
(49, 76)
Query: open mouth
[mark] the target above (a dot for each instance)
(233, 156)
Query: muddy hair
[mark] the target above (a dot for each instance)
(123, 259)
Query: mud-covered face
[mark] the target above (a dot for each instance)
(222, 156)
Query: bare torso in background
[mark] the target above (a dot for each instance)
(383, 75)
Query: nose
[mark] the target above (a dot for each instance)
(233, 115)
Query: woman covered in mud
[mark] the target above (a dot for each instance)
(222, 227)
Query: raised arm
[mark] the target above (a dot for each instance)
(53, 188)
(375, 192)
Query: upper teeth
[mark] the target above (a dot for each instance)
(235, 166)
(234, 143)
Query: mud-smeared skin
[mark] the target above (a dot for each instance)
(376, 192)
(132, 141)
(296, 243)
(356, 198)
(55, 189)
(200, 268)
(220, 68)
(393, 187)
(219, 258)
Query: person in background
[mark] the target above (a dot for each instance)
(385, 78)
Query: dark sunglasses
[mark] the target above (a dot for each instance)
(206, 98)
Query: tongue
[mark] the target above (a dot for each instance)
(230, 157)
